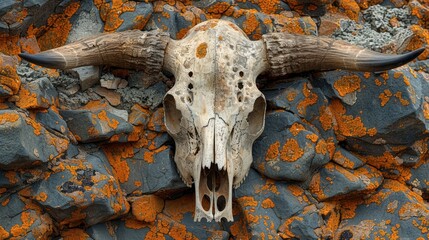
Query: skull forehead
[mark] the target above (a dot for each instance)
(218, 64)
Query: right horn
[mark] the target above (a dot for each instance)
(129, 49)
(287, 53)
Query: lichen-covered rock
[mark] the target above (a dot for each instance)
(396, 101)
(52, 120)
(266, 203)
(346, 159)
(9, 79)
(393, 212)
(97, 121)
(80, 191)
(289, 149)
(23, 219)
(39, 93)
(145, 166)
(25, 142)
(305, 225)
(136, 19)
(334, 181)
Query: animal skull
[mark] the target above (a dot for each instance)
(214, 111)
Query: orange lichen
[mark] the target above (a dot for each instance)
(425, 110)
(296, 128)
(350, 8)
(310, 99)
(348, 125)
(385, 97)
(420, 38)
(9, 78)
(27, 99)
(146, 208)
(347, 84)
(291, 151)
(321, 147)
(285, 229)
(74, 234)
(135, 224)
(326, 118)
(9, 45)
(267, 203)
(27, 220)
(41, 197)
(201, 51)
(250, 24)
(3, 233)
(291, 95)
(56, 31)
(116, 154)
(343, 160)
(403, 101)
(113, 123)
(177, 208)
(8, 118)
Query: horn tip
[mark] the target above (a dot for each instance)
(48, 60)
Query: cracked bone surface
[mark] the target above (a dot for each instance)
(215, 111)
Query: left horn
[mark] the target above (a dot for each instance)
(129, 49)
(287, 53)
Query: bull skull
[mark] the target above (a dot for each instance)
(215, 111)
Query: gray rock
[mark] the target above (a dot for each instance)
(266, 203)
(86, 22)
(333, 181)
(137, 18)
(346, 159)
(52, 121)
(147, 97)
(24, 142)
(393, 210)
(289, 149)
(88, 76)
(96, 125)
(39, 93)
(305, 225)
(82, 188)
(22, 219)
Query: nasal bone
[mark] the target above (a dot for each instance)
(215, 140)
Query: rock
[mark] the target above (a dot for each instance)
(417, 177)
(334, 181)
(420, 10)
(265, 203)
(147, 97)
(9, 80)
(139, 115)
(85, 23)
(88, 76)
(346, 159)
(311, 8)
(109, 81)
(80, 191)
(329, 23)
(137, 18)
(97, 122)
(299, 97)
(145, 208)
(156, 121)
(22, 219)
(392, 212)
(37, 94)
(289, 149)
(75, 233)
(25, 143)
(51, 120)
(112, 97)
(16, 17)
(146, 166)
(305, 225)
(395, 100)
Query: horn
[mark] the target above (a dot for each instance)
(287, 53)
(129, 49)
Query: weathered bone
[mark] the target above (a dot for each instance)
(214, 111)
(129, 49)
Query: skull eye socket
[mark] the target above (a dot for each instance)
(257, 116)
(173, 116)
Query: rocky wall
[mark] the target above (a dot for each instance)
(84, 153)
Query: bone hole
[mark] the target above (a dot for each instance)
(240, 96)
(172, 115)
(241, 73)
(240, 85)
(221, 203)
(190, 74)
(256, 117)
(190, 86)
(205, 202)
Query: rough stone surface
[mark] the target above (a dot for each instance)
(25, 142)
(39, 93)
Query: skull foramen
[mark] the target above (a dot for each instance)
(215, 111)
